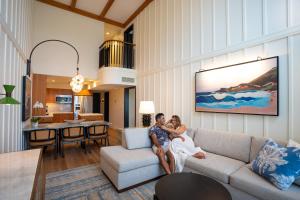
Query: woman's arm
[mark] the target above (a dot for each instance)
(177, 131)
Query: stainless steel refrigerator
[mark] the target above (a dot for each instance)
(83, 104)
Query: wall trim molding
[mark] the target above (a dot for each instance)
(291, 31)
(12, 38)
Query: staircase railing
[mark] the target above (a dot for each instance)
(115, 53)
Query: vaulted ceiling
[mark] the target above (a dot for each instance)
(116, 12)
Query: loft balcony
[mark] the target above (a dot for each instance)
(116, 53)
(116, 65)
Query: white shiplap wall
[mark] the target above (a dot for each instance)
(15, 45)
(175, 38)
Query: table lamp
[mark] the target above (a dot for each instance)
(8, 99)
(146, 108)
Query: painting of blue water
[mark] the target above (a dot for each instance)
(245, 88)
(230, 100)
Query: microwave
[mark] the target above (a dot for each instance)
(66, 99)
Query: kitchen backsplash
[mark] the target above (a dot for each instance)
(55, 107)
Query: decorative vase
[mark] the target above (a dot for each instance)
(35, 124)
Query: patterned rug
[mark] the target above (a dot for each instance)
(88, 182)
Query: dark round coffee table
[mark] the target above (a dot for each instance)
(190, 186)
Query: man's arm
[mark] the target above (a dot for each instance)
(154, 140)
(156, 143)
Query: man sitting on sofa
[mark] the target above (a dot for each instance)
(161, 142)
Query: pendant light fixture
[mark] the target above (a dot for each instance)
(77, 81)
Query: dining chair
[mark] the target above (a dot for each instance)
(98, 132)
(43, 139)
(72, 135)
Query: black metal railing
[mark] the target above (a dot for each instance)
(115, 53)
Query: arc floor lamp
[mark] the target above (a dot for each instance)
(77, 81)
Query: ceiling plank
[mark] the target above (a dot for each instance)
(106, 8)
(73, 4)
(81, 12)
(138, 11)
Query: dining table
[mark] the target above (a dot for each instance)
(58, 126)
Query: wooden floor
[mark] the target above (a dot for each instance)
(75, 156)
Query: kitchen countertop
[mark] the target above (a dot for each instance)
(17, 174)
(57, 126)
(90, 114)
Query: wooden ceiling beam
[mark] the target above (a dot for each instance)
(138, 11)
(73, 4)
(106, 8)
(81, 12)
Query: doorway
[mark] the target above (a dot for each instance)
(128, 48)
(129, 107)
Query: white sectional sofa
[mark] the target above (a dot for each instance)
(228, 161)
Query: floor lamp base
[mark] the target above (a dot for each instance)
(146, 120)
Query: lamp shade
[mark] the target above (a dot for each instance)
(146, 107)
(8, 99)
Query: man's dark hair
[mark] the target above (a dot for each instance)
(158, 116)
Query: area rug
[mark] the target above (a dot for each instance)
(88, 182)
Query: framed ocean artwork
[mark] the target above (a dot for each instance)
(244, 88)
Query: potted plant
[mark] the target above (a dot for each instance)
(35, 121)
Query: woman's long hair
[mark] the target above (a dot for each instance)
(177, 118)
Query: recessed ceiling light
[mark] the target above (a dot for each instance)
(107, 33)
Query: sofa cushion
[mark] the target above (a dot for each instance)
(191, 133)
(122, 159)
(247, 181)
(215, 166)
(136, 138)
(236, 146)
(257, 143)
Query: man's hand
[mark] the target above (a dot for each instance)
(159, 150)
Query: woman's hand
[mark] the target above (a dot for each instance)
(182, 138)
(163, 127)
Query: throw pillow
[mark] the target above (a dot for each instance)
(292, 143)
(277, 164)
(137, 138)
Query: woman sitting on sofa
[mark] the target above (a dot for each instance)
(182, 146)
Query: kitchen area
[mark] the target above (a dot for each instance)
(60, 103)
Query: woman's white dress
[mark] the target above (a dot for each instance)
(181, 150)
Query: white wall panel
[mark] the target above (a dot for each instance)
(276, 15)
(241, 30)
(294, 14)
(186, 29)
(253, 13)
(207, 22)
(157, 33)
(220, 24)
(170, 32)
(15, 40)
(177, 31)
(294, 71)
(235, 21)
(195, 28)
